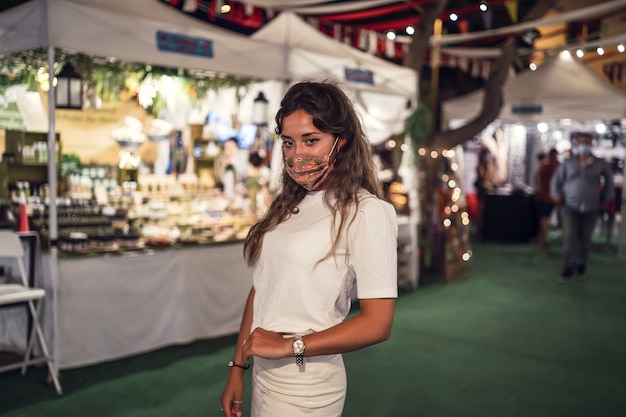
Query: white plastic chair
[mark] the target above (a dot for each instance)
(22, 293)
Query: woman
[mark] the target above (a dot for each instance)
(327, 230)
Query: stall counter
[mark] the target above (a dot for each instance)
(110, 307)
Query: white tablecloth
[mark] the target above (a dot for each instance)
(114, 306)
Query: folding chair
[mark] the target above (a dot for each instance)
(22, 293)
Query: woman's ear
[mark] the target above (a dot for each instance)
(341, 143)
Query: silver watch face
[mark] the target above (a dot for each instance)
(298, 346)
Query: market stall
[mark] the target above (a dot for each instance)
(542, 109)
(107, 309)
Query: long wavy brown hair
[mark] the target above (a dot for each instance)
(353, 166)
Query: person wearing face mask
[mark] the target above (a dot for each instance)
(328, 231)
(583, 185)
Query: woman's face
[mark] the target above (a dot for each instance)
(300, 136)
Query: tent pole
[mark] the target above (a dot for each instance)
(52, 207)
(621, 243)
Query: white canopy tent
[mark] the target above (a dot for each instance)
(561, 88)
(136, 31)
(127, 30)
(381, 89)
(311, 54)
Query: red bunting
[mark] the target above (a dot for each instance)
(463, 25)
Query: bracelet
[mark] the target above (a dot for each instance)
(244, 367)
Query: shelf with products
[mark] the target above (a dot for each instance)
(165, 212)
(205, 154)
(25, 162)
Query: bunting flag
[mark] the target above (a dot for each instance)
(381, 45)
(337, 32)
(190, 6)
(372, 42)
(362, 43)
(476, 68)
(249, 8)
(210, 11)
(464, 63)
(512, 8)
(390, 48)
(486, 70)
(604, 30)
(463, 25)
(614, 71)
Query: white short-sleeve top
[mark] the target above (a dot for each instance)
(295, 292)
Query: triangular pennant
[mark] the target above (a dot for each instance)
(390, 48)
(337, 32)
(486, 72)
(511, 7)
(190, 6)
(463, 25)
(475, 70)
(372, 42)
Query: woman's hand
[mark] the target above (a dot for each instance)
(266, 344)
(232, 396)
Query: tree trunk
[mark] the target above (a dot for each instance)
(492, 104)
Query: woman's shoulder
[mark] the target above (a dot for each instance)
(369, 202)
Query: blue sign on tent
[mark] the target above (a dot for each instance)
(183, 44)
(526, 109)
(359, 76)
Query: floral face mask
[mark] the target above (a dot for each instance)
(309, 171)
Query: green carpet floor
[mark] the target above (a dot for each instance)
(506, 341)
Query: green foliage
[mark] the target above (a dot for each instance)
(113, 80)
(419, 126)
(70, 164)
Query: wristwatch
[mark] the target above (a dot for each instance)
(298, 349)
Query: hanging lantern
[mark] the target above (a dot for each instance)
(259, 111)
(69, 89)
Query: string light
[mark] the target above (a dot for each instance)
(225, 8)
(391, 35)
(454, 17)
(600, 50)
(483, 6)
(620, 48)
(410, 30)
(580, 53)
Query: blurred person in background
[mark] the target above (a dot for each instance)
(543, 199)
(583, 185)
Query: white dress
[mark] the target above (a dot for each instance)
(296, 293)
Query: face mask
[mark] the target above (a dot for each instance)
(584, 149)
(309, 171)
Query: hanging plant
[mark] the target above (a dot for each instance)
(419, 126)
(112, 80)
